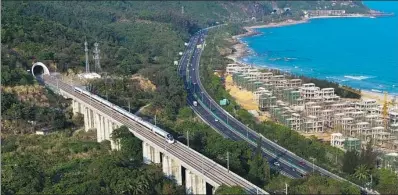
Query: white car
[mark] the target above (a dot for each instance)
(216, 120)
(277, 164)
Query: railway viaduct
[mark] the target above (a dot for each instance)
(199, 174)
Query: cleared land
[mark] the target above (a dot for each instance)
(244, 98)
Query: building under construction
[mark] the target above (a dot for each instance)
(307, 108)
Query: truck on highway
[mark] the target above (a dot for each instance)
(195, 103)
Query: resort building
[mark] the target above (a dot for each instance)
(307, 108)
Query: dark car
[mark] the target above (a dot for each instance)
(301, 163)
(303, 175)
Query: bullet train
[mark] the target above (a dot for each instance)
(169, 138)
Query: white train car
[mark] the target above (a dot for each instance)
(169, 138)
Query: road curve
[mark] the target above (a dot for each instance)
(290, 164)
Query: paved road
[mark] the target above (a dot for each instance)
(211, 116)
(186, 155)
(290, 164)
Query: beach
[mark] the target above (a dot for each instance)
(278, 24)
(245, 98)
(379, 97)
(242, 49)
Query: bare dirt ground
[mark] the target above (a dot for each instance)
(244, 98)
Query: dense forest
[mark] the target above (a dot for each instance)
(137, 39)
(74, 163)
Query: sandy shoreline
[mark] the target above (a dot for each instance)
(375, 95)
(242, 49)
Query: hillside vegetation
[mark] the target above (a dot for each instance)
(135, 38)
(74, 163)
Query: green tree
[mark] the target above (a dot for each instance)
(350, 162)
(362, 173)
(223, 189)
(78, 119)
(387, 182)
(347, 188)
(259, 171)
(185, 113)
(131, 147)
(368, 156)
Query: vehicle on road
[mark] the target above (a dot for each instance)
(277, 164)
(303, 175)
(216, 120)
(195, 103)
(301, 163)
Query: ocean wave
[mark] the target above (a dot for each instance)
(359, 78)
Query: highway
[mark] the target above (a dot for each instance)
(210, 116)
(289, 164)
(188, 157)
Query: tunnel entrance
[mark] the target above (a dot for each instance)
(39, 69)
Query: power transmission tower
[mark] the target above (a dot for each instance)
(97, 57)
(86, 51)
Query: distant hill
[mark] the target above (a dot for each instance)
(142, 37)
(131, 33)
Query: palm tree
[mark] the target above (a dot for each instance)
(362, 172)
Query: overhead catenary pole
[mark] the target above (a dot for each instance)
(371, 181)
(188, 138)
(227, 118)
(228, 160)
(313, 165)
(286, 188)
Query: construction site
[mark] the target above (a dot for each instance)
(345, 123)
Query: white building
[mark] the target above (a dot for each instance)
(337, 140)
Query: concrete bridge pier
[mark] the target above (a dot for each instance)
(92, 120)
(76, 106)
(172, 168)
(86, 119)
(194, 184)
(150, 154)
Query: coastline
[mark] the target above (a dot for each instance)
(242, 49)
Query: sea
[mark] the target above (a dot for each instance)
(358, 52)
